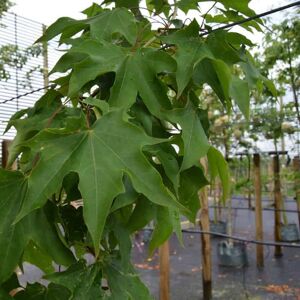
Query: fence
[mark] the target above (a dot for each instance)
(23, 66)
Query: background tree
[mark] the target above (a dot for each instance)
(4, 6)
(281, 56)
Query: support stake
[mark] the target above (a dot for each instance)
(164, 267)
(277, 204)
(258, 211)
(296, 167)
(206, 245)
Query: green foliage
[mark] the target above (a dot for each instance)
(117, 145)
(4, 6)
(13, 57)
(280, 59)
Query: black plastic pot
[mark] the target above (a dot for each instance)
(218, 227)
(232, 254)
(289, 233)
(147, 235)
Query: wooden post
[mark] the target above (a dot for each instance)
(271, 181)
(258, 211)
(249, 179)
(296, 167)
(164, 267)
(277, 204)
(205, 239)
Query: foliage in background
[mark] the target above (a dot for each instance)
(282, 56)
(5, 6)
(13, 57)
(126, 152)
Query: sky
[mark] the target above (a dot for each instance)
(47, 11)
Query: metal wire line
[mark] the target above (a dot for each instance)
(236, 238)
(28, 93)
(203, 34)
(246, 241)
(270, 12)
(252, 209)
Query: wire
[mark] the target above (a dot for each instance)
(232, 237)
(264, 208)
(252, 18)
(28, 93)
(293, 245)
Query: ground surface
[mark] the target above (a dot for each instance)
(279, 279)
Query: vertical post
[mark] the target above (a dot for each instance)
(249, 179)
(277, 204)
(164, 267)
(296, 167)
(258, 211)
(45, 60)
(205, 239)
(271, 180)
(218, 199)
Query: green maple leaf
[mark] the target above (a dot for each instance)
(186, 5)
(219, 76)
(102, 26)
(195, 140)
(138, 73)
(125, 283)
(191, 181)
(240, 6)
(37, 118)
(88, 60)
(219, 167)
(191, 50)
(124, 3)
(159, 6)
(101, 155)
(119, 20)
(82, 281)
(35, 227)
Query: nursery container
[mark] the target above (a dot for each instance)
(232, 254)
(289, 233)
(218, 227)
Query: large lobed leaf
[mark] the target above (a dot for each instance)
(101, 155)
(34, 227)
(102, 26)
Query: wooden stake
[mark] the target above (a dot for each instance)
(249, 178)
(164, 266)
(271, 181)
(206, 246)
(258, 211)
(296, 167)
(277, 204)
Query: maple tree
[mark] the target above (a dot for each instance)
(116, 143)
